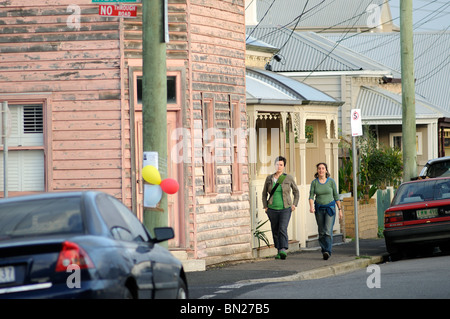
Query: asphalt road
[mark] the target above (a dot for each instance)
(424, 278)
(227, 280)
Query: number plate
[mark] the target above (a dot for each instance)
(427, 213)
(7, 274)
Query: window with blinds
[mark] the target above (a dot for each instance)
(25, 138)
(32, 119)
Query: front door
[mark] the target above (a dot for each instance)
(174, 170)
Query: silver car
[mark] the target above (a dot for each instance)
(83, 245)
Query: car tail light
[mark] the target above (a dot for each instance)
(72, 254)
(393, 218)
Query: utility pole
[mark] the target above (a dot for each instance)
(154, 98)
(408, 91)
(4, 122)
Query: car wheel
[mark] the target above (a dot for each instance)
(445, 247)
(182, 292)
(394, 251)
(391, 249)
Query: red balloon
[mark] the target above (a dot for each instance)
(169, 186)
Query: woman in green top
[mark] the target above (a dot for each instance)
(323, 198)
(280, 205)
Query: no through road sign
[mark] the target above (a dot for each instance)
(117, 10)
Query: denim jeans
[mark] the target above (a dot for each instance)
(279, 221)
(325, 225)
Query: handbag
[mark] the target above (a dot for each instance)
(279, 181)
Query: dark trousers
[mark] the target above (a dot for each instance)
(279, 221)
(325, 225)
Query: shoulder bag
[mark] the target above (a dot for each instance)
(279, 181)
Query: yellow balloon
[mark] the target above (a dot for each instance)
(151, 175)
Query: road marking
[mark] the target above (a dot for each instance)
(226, 289)
(236, 285)
(222, 291)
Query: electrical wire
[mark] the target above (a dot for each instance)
(265, 14)
(296, 24)
(421, 22)
(439, 68)
(290, 22)
(335, 46)
(416, 25)
(249, 4)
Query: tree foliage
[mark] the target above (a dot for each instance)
(379, 166)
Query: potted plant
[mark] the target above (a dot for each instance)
(261, 234)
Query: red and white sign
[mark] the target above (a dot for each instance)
(118, 10)
(356, 123)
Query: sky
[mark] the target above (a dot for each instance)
(428, 15)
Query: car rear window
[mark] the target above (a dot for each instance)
(424, 190)
(40, 217)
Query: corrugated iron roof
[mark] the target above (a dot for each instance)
(316, 13)
(252, 41)
(377, 104)
(431, 62)
(310, 52)
(270, 86)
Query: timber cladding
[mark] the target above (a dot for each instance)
(79, 61)
(216, 49)
(72, 54)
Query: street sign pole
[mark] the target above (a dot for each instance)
(5, 147)
(355, 194)
(356, 125)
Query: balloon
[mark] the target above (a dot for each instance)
(151, 175)
(170, 186)
(152, 195)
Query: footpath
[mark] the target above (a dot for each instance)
(300, 265)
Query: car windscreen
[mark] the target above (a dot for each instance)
(439, 169)
(40, 217)
(424, 190)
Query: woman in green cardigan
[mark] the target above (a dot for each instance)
(323, 198)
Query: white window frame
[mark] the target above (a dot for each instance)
(26, 160)
(35, 149)
(315, 126)
(419, 141)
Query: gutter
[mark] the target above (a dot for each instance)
(264, 101)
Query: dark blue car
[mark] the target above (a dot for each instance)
(83, 245)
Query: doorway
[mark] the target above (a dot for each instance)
(175, 207)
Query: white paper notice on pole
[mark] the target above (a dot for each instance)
(356, 122)
(150, 158)
(152, 193)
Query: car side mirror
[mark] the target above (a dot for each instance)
(163, 234)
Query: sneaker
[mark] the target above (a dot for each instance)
(283, 255)
(326, 255)
(278, 256)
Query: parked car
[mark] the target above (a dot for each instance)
(419, 216)
(436, 167)
(83, 245)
